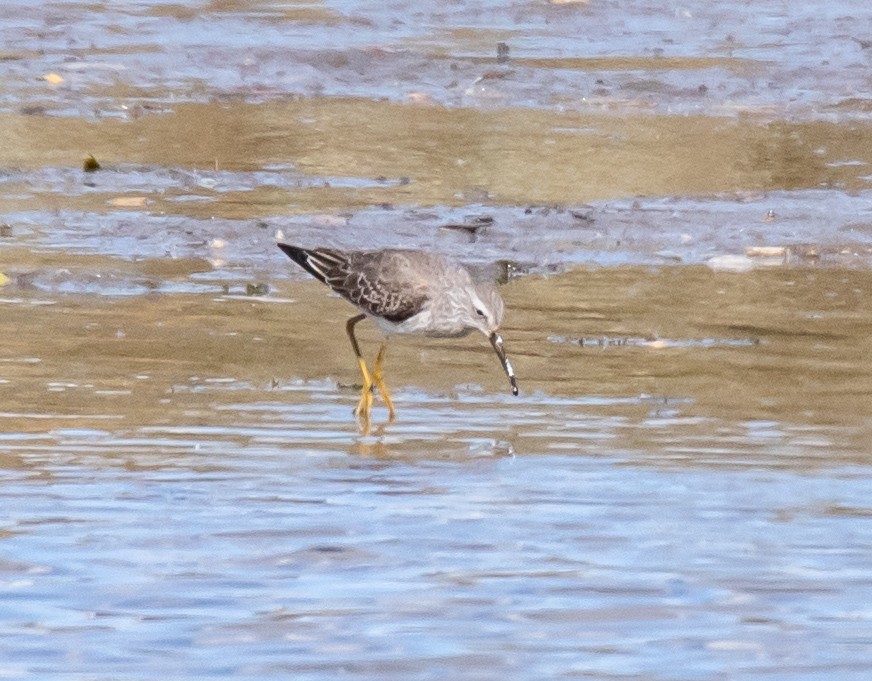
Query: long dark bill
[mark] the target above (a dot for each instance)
(497, 344)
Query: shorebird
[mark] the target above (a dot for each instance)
(405, 292)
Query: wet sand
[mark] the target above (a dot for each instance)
(678, 203)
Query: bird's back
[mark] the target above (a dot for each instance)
(405, 291)
(391, 284)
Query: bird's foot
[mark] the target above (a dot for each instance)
(364, 405)
(386, 397)
(363, 409)
(379, 382)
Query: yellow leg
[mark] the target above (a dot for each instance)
(378, 379)
(364, 406)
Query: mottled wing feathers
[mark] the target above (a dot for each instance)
(375, 281)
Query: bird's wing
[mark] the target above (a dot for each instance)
(376, 281)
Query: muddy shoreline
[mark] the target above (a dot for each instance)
(678, 201)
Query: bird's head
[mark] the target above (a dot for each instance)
(485, 309)
(484, 313)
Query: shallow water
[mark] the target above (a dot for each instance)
(679, 203)
(681, 486)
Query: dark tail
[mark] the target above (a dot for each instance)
(298, 255)
(301, 257)
(322, 263)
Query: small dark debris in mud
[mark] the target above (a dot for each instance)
(502, 53)
(508, 270)
(457, 227)
(498, 272)
(421, 215)
(472, 225)
(328, 549)
(806, 251)
(586, 216)
(256, 289)
(90, 164)
(541, 210)
(494, 75)
(400, 181)
(5, 231)
(25, 280)
(654, 343)
(33, 110)
(612, 342)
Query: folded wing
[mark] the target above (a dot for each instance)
(376, 281)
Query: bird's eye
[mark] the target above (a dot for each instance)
(479, 312)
